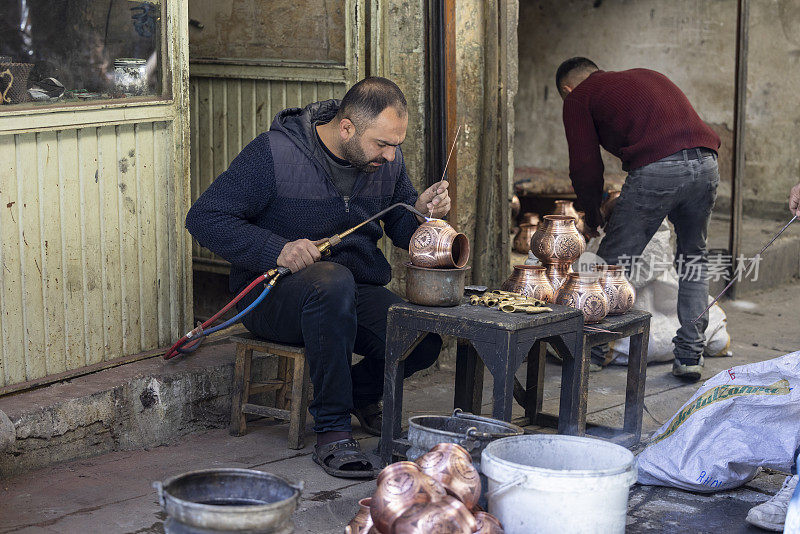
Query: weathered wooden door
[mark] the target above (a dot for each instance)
(96, 264)
(252, 58)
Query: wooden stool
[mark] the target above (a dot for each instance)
(292, 387)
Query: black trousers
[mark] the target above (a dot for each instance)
(323, 308)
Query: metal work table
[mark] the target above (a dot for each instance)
(500, 341)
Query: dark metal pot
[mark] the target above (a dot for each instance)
(229, 500)
(435, 287)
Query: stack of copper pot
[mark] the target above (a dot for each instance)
(558, 243)
(437, 493)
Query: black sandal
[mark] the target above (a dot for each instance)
(334, 457)
(370, 417)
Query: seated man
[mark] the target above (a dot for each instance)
(318, 171)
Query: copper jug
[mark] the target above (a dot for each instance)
(531, 281)
(583, 291)
(619, 291)
(557, 240)
(362, 521)
(437, 244)
(522, 241)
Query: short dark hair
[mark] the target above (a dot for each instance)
(368, 98)
(572, 64)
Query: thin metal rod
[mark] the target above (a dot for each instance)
(755, 258)
(379, 214)
(446, 163)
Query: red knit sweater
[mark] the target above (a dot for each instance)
(638, 115)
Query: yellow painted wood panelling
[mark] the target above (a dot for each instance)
(91, 246)
(228, 113)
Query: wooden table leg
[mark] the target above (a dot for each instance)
(534, 384)
(468, 390)
(399, 343)
(637, 376)
(574, 382)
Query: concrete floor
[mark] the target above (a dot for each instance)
(112, 492)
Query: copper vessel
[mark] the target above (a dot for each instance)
(362, 521)
(451, 466)
(607, 207)
(531, 281)
(522, 241)
(583, 291)
(437, 244)
(435, 287)
(619, 291)
(556, 274)
(566, 207)
(400, 485)
(447, 516)
(487, 524)
(515, 206)
(557, 240)
(529, 218)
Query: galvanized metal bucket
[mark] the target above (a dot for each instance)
(472, 432)
(228, 500)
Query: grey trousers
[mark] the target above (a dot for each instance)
(682, 187)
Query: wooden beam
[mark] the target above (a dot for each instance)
(451, 106)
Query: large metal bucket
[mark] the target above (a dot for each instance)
(472, 432)
(228, 500)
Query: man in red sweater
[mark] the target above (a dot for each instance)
(670, 155)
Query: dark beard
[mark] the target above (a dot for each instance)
(352, 152)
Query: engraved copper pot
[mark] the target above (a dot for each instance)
(400, 485)
(487, 524)
(529, 218)
(619, 291)
(557, 240)
(556, 274)
(362, 522)
(522, 242)
(447, 516)
(451, 466)
(583, 291)
(566, 207)
(437, 244)
(531, 281)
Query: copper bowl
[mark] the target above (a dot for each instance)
(583, 291)
(362, 521)
(522, 241)
(436, 244)
(400, 485)
(451, 466)
(487, 524)
(531, 281)
(447, 516)
(435, 287)
(557, 240)
(619, 291)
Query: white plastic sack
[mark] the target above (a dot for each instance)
(741, 419)
(657, 293)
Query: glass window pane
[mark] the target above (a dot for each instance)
(63, 51)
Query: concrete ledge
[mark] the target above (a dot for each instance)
(135, 406)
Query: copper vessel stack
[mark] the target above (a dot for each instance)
(437, 270)
(558, 242)
(438, 492)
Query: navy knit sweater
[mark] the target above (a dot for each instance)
(278, 190)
